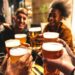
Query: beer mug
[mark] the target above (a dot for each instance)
(34, 37)
(11, 43)
(17, 53)
(21, 37)
(50, 36)
(51, 50)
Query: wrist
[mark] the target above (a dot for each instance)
(67, 68)
(73, 72)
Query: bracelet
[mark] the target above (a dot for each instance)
(73, 72)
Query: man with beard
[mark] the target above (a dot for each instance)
(57, 14)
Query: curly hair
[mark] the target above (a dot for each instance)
(62, 8)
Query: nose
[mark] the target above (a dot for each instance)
(51, 18)
(21, 20)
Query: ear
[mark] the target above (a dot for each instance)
(14, 18)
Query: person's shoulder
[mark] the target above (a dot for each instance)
(64, 27)
(46, 27)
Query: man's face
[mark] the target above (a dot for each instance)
(54, 17)
(21, 21)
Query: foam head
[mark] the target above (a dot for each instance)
(20, 35)
(18, 51)
(50, 35)
(35, 29)
(52, 46)
(12, 43)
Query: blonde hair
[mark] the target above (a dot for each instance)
(22, 10)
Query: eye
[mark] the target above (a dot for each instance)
(24, 18)
(20, 17)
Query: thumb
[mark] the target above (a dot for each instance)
(25, 58)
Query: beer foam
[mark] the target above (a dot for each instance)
(50, 35)
(20, 35)
(35, 29)
(18, 51)
(12, 43)
(52, 46)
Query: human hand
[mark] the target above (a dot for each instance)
(64, 66)
(21, 67)
(68, 49)
(52, 64)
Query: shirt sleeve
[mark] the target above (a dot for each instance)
(67, 37)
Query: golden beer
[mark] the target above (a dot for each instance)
(21, 37)
(34, 39)
(11, 43)
(50, 36)
(17, 53)
(51, 50)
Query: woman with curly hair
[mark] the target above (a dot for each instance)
(58, 13)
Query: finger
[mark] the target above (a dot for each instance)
(5, 60)
(24, 58)
(4, 63)
(29, 61)
(20, 64)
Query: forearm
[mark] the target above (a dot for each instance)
(68, 49)
(66, 69)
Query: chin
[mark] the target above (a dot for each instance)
(20, 29)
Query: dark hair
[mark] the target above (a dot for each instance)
(2, 18)
(62, 8)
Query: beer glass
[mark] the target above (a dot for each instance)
(16, 53)
(21, 37)
(51, 50)
(34, 37)
(15, 57)
(50, 36)
(11, 43)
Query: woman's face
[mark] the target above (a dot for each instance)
(55, 16)
(21, 21)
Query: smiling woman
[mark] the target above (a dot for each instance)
(58, 13)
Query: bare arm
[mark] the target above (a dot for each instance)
(62, 66)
